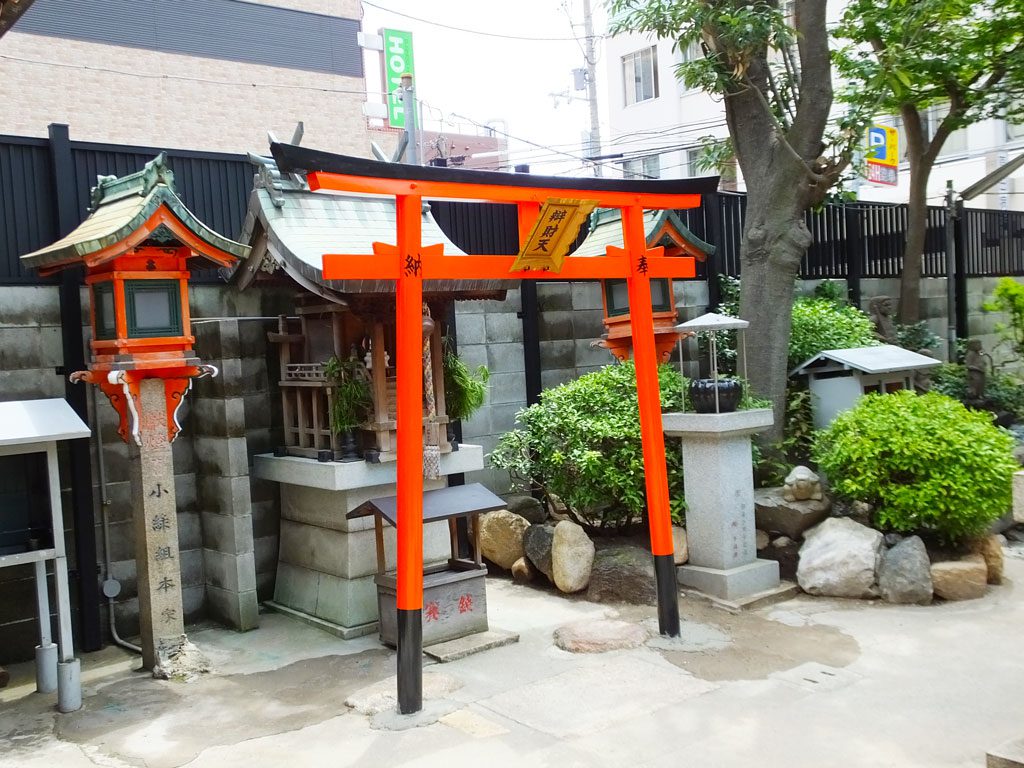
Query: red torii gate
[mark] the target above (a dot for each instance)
(408, 262)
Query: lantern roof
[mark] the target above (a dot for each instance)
(290, 227)
(713, 321)
(663, 227)
(141, 208)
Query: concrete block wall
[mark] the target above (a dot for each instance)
(491, 333)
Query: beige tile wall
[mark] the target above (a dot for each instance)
(120, 95)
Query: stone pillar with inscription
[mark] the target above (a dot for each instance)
(718, 481)
(158, 567)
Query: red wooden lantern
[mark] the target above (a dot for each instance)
(136, 245)
(661, 228)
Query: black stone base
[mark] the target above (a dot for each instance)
(410, 661)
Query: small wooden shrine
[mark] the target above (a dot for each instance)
(661, 228)
(349, 321)
(337, 342)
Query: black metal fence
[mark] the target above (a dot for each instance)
(859, 240)
(215, 186)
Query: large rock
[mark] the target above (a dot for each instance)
(572, 557)
(501, 537)
(599, 635)
(791, 518)
(991, 548)
(839, 558)
(623, 575)
(680, 549)
(905, 573)
(960, 579)
(537, 542)
(528, 507)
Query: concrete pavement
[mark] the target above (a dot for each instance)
(810, 682)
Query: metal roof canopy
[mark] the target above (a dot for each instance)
(712, 321)
(884, 358)
(28, 422)
(35, 426)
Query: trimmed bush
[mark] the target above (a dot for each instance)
(926, 463)
(582, 443)
(820, 324)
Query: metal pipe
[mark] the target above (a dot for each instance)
(101, 469)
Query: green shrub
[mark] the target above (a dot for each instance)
(582, 443)
(820, 324)
(925, 462)
(1008, 297)
(773, 462)
(917, 336)
(1003, 393)
(831, 290)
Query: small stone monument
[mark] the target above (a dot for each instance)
(802, 484)
(977, 371)
(718, 476)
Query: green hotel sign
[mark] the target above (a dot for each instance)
(397, 62)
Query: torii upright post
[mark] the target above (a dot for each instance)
(408, 262)
(409, 417)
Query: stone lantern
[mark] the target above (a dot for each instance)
(136, 246)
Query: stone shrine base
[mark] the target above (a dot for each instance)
(731, 583)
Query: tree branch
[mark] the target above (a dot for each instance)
(815, 93)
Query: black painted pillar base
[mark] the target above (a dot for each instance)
(668, 595)
(410, 660)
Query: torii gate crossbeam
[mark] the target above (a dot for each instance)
(408, 261)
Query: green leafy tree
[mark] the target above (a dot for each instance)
(962, 60)
(773, 72)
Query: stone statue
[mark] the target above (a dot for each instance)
(977, 371)
(802, 484)
(881, 315)
(922, 380)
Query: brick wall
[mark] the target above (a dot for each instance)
(132, 96)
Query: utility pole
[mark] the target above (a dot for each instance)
(591, 58)
(950, 271)
(411, 119)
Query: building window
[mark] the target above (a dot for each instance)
(648, 167)
(153, 308)
(103, 307)
(693, 161)
(640, 75)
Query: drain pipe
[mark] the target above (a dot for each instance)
(111, 586)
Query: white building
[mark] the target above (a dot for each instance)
(656, 126)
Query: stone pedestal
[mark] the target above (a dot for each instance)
(718, 473)
(326, 564)
(157, 562)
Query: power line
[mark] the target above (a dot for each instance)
(474, 31)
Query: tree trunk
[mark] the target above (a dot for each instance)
(913, 251)
(774, 241)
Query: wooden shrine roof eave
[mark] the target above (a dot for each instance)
(430, 180)
(115, 228)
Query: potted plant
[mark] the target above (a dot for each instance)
(352, 400)
(464, 389)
